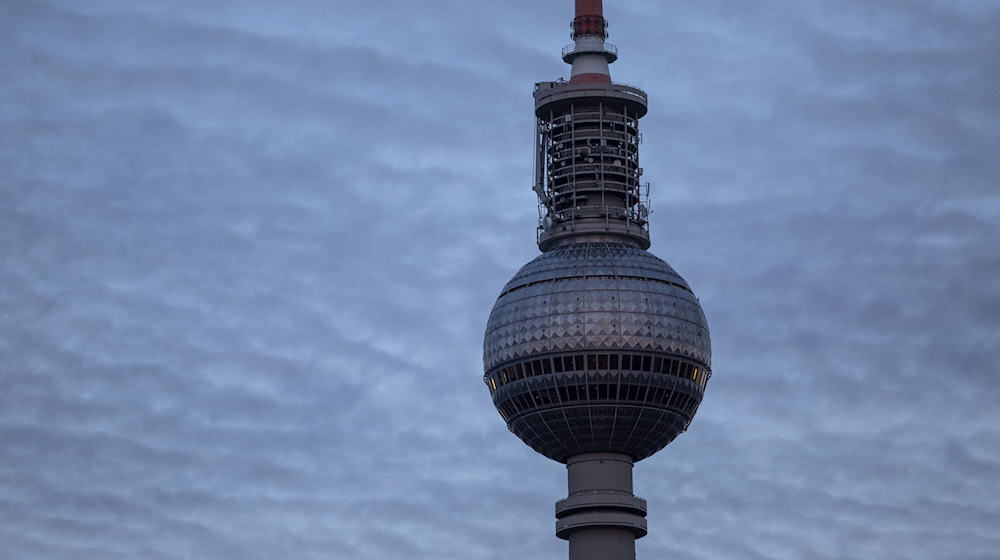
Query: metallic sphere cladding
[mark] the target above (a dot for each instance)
(597, 347)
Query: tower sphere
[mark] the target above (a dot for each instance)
(597, 347)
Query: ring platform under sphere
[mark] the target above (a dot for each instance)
(597, 347)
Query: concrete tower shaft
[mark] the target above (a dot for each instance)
(601, 517)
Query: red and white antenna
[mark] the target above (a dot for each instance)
(590, 54)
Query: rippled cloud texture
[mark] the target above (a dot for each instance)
(249, 249)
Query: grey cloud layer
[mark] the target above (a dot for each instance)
(248, 251)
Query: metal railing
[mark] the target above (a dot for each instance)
(546, 90)
(595, 46)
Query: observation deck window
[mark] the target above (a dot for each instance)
(657, 365)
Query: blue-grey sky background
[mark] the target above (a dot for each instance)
(248, 250)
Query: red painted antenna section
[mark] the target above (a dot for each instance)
(589, 19)
(589, 8)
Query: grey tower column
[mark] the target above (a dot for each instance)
(601, 518)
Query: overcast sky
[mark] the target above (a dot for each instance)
(248, 250)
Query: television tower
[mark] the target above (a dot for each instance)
(596, 353)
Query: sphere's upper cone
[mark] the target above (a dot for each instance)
(597, 347)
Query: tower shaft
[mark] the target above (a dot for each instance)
(601, 518)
